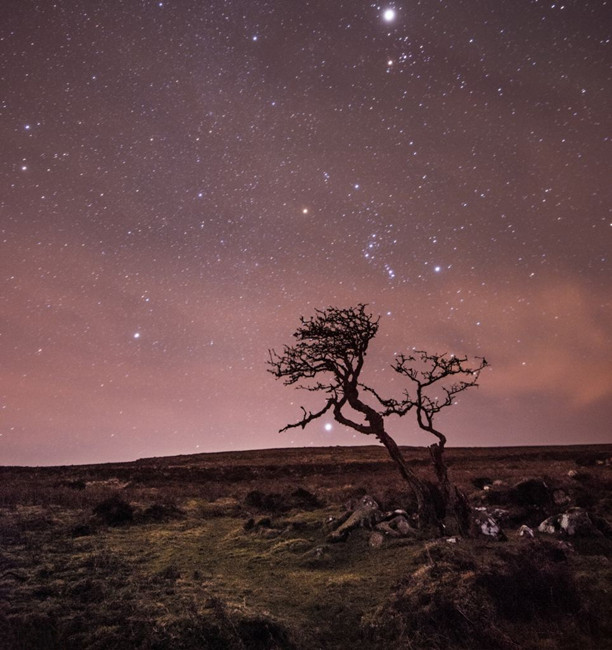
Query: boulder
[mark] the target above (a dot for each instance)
(385, 528)
(487, 522)
(366, 515)
(376, 539)
(576, 521)
(550, 525)
(560, 497)
(402, 526)
(573, 522)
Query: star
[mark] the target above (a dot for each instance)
(389, 15)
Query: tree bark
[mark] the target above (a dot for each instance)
(426, 511)
(456, 507)
(425, 508)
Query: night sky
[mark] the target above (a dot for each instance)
(181, 180)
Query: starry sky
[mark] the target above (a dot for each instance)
(181, 180)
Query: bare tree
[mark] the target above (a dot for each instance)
(328, 358)
(436, 381)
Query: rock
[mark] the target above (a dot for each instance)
(385, 528)
(366, 515)
(319, 551)
(376, 539)
(452, 540)
(402, 526)
(485, 523)
(367, 501)
(572, 473)
(573, 522)
(525, 531)
(550, 526)
(395, 524)
(560, 497)
(576, 521)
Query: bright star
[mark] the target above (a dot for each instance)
(136, 335)
(389, 15)
(328, 426)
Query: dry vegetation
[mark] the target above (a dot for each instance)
(231, 551)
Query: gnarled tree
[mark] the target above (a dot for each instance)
(328, 357)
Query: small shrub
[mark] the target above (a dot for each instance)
(591, 459)
(304, 500)
(114, 511)
(81, 530)
(481, 481)
(159, 513)
(270, 502)
(463, 599)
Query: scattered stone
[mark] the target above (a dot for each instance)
(402, 526)
(560, 497)
(366, 515)
(376, 539)
(319, 551)
(525, 531)
(485, 524)
(452, 540)
(576, 521)
(550, 526)
(573, 522)
(385, 527)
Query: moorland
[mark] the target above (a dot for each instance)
(237, 550)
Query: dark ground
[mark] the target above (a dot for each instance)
(231, 550)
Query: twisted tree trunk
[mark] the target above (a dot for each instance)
(426, 511)
(456, 506)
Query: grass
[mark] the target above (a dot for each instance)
(202, 565)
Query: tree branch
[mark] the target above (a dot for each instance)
(309, 416)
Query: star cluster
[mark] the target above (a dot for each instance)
(183, 179)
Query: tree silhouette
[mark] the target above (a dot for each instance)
(328, 357)
(435, 379)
